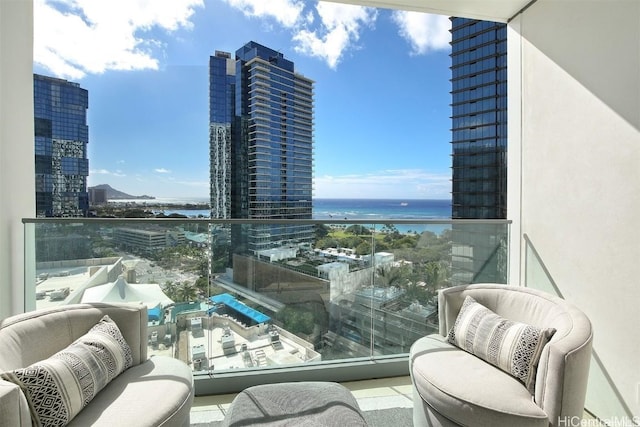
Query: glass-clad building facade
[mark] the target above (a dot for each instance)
(261, 145)
(479, 146)
(479, 119)
(61, 137)
(221, 96)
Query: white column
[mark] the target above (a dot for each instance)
(514, 151)
(17, 164)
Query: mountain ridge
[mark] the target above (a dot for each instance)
(113, 194)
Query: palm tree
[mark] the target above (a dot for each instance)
(433, 273)
(187, 292)
(171, 290)
(391, 276)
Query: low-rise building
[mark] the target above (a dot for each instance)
(148, 239)
(395, 326)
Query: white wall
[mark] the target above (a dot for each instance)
(17, 166)
(579, 173)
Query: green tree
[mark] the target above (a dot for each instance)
(358, 230)
(137, 213)
(296, 320)
(170, 289)
(187, 292)
(433, 272)
(405, 242)
(321, 230)
(364, 248)
(350, 241)
(381, 246)
(392, 276)
(202, 284)
(180, 292)
(390, 229)
(327, 242)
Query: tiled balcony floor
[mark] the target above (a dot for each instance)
(371, 394)
(376, 394)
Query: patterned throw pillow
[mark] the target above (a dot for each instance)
(513, 347)
(59, 387)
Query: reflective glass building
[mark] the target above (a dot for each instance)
(61, 137)
(479, 118)
(479, 146)
(261, 145)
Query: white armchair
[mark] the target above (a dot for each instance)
(454, 387)
(151, 392)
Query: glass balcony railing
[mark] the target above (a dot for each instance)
(240, 298)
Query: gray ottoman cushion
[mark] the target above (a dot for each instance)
(294, 404)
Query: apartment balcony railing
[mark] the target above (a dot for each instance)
(339, 300)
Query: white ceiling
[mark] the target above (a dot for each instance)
(489, 10)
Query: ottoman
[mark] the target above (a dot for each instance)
(310, 404)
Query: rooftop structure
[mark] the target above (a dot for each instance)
(222, 345)
(148, 239)
(64, 282)
(238, 309)
(120, 291)
(378, 297)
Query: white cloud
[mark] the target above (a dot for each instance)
(392, 184)
(339, 31)
(286, 12)
(162, 170)
(329, 32)
(199, 184)
(76, 37)
(423, 31)
(106, 172)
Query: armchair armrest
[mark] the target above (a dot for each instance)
(14, 410)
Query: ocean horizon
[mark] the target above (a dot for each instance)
(331, 208)
(377, 209)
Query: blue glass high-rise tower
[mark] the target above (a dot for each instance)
(261, 145)
(61, 138)
(221, 116)
(479, 118)
(479, 146)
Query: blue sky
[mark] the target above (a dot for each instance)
(381, 93)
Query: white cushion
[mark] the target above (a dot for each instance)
(514, 347)
(59, 387)
(449, 379)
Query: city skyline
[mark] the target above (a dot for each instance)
(382, 90)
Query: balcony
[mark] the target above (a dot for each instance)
(333, 301)
(574, 133)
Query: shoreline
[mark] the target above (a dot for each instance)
(151, 204)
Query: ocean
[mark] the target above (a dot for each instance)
(378, 209)
(356, 209)
(383, 209)
(360, 209)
